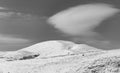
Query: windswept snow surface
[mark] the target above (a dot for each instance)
(58, 56)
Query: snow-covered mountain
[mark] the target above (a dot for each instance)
(58, 56)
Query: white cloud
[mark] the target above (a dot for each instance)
(81, 20)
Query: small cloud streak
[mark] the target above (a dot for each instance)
(80, 21)
(12, 40)
(2, 8)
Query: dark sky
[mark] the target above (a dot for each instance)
(23, 22)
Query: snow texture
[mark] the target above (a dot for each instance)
(57, 56)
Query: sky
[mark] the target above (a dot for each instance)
(26, 22)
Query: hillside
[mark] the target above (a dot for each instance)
(57, 56)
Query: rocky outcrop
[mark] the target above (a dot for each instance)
(59, 56)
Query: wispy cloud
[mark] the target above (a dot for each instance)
(12, 40)
(80, 21)
(3, 8)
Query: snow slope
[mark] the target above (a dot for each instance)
(57, 56)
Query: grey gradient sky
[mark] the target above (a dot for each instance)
(24, 23)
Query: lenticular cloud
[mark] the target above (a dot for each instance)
(81, 20)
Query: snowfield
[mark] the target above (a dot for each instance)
(59, 56)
